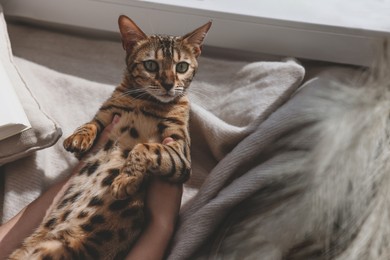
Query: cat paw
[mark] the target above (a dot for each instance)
(82, 140)
(131, 176)
(124, 186)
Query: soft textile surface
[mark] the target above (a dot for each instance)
(311, 182)
(229, 100)
(44, 132)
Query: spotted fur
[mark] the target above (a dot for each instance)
(102, 211)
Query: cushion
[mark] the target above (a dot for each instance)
(44, 132)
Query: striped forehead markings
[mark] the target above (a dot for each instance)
(159, 54)
(176, 54)
(167, 45)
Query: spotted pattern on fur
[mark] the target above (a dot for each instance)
(102, 211)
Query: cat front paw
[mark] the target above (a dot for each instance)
(130, 177)
(124, 186)
(82, 140)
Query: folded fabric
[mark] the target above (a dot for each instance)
(255, 90)
(70, 101)
(44, 131)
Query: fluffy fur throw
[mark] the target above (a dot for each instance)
(321, 168)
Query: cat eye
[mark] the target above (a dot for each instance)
(151, 65)
(182, 67)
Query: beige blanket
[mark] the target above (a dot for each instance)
(229, 100)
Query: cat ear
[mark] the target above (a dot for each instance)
(196, 37)
(130, 32)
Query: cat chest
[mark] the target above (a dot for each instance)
(134, 128)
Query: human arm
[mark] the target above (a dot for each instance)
(23, 224)
(163, 204)
(28, 219)
(163, 201)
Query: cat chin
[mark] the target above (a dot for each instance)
(165, 98)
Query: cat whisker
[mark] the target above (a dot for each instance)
(200, 94)
(128, 93)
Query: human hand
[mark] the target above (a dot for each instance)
(163, 200)
(162, 208)
(163, 203)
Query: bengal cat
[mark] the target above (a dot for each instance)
(102, 212)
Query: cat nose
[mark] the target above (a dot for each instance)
(167, 86)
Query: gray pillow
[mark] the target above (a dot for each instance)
(44, 132)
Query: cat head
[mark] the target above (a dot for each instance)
(157, 65)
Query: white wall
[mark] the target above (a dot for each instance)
(332, 30)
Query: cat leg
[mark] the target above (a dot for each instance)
(29, 245)
(131, 175)
(85, 136)
(167, 161)
(50, 249)
(21, 253)
(82, 139)
(170, 161)
(46, 249)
